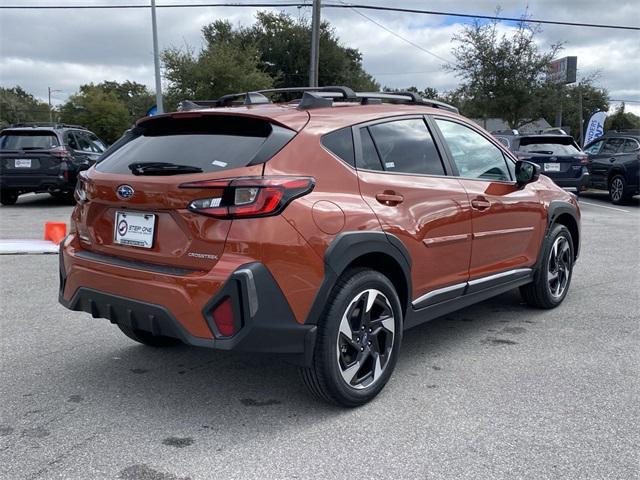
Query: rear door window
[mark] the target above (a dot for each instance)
(210, 143)
(88, 142)
(406, 146)
(26, 140)
(612, 145)
(630, 145)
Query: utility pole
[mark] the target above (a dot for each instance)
(156, 58)
(315, 44)
(581, 120)
(50, 91)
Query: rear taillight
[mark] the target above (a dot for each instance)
(248, 197)
(80, 193)
(584, 159)
(60, 152)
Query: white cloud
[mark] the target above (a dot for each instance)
(64, 49)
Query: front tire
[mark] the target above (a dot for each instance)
(552, 281)
(358, 341)
(147, 338)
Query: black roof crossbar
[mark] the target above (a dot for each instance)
(318, 97)
(45, 124)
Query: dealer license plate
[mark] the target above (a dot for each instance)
(551, 167)
(22, 163)
(134, 229)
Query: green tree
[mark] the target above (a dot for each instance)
(136, 97)
(100, 111)
(428, 92)
(567, 98)
(273, 52)
(622, 120)
(502, 75)
(17, 105)
(223, 66)
(283, 44)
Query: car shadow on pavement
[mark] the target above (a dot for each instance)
(194, 393)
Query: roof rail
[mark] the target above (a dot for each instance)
(410, 98)
(317, 97)
(46, 124)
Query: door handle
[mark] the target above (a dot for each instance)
(389, 199)
(612, 159)
(480, 203)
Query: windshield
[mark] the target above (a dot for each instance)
(549, 149)
(38, 140)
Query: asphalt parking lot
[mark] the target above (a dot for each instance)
(497, 390)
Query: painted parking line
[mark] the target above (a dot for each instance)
(582, 202)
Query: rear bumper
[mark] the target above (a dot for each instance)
(580, 182)
(35, 182)
(263, 319)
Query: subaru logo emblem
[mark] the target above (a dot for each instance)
(125, 192)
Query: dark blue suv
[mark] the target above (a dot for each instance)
(559, 156)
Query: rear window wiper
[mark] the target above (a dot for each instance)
(162, 168)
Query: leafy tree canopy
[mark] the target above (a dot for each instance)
(622, 120)
(99, 110)
(502, 75)
(273, 52)
(108, 108)
(16, 105)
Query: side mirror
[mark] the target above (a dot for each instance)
(526, 172)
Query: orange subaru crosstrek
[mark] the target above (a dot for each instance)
(321, 228)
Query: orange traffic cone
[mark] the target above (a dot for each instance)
(55, 231)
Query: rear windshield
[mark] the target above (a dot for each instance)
(546, 146)
(38, 140)
(210, 143)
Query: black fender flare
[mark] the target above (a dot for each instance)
(347, 247)
(555, 209)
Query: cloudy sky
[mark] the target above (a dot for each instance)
(63, 49)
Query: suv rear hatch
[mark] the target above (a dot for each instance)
(135, 203)
(29, 154)
(557, 155)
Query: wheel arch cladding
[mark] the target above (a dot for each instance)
(565, 214)
(379, 251)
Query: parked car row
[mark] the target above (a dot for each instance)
(45, 157)
(611, 162)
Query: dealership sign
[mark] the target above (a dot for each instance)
(563, 70)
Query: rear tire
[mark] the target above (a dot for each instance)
(617, 190)
(553, 279)
(358, 343)
(147, 338)
(8, 197)
(65, 197)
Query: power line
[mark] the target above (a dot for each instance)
(301, 4)
(404, 39)
(485, 17)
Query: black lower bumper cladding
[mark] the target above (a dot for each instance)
(264, 320)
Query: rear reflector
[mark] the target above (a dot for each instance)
(248, 197)
(223, 318)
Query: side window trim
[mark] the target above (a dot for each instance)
(506, 155)
(357, 140)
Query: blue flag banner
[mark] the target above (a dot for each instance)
(595, 128)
